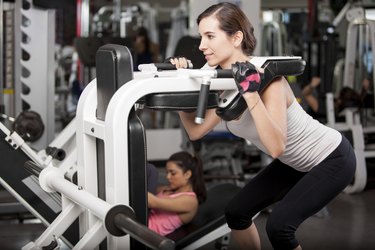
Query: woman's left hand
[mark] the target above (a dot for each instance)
(246, 76)
(181, 62)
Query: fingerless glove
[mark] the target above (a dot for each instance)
(246, 76)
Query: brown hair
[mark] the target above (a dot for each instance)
(232, 19)
(347, 98)
(188, 162)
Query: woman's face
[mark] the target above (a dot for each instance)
(217, 47)
(176, 177)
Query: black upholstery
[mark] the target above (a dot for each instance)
(272, 70)
(179, 101)
(210, 215)
(88, 46)
(115, 68)
(137, 167)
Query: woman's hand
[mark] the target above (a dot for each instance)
(246, 76)
(151, 200)
(180, 62)
(315, 81)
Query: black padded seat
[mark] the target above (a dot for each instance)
(179, 101)
(210, 215)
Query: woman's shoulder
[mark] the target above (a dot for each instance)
(191, 193)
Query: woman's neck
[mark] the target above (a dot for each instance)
(233, 59)
(185, 188)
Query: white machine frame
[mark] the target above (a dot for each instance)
(81, 201)
(115, 136)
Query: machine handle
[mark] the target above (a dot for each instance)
(204, 93)
(202, 101)
(224, 73)
(142, 233)
(169, 66)
(56, 153)
(160, 66)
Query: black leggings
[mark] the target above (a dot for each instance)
(300, 194)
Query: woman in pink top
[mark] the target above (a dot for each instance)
(177, 203)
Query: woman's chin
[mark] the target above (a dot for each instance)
(211, 63)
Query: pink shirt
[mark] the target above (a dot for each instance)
(164, 222)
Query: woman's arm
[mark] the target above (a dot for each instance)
(179, 204)
(269, 112)
(307, 93)
(197, 131)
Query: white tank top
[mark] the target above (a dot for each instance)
(308, 141)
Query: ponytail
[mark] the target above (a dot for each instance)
(198, 184)
(193, 163)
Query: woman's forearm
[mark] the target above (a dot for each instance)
(197, 131)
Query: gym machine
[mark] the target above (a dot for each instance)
(110, 150)
(359, 43)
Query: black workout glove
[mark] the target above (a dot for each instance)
(246, 76)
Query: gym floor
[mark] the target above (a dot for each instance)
(347, 223)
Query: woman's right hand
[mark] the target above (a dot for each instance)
(315, 81)
(180, 62)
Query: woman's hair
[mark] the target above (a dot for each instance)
(347, 98)
(232, 19)
(143, 32)
(188, 162)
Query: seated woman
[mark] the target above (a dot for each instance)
(346, 98)
(176, 204)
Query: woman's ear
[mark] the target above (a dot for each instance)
(237, 38)
(188, 174)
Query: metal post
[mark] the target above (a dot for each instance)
(2, 107)
(116, 17)
(85, 18)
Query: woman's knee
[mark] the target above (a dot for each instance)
(237, 216)
(280, 233)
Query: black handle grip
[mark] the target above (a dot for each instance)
(142, 233)
(202, 102)
(56, 153)
(169, 66)
(224, 73)
(165, 66)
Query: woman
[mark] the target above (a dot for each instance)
(177, 203)
(145, 50)
(347, 98)
(312, 163)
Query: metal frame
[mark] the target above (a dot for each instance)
(352, 124)
(81, 201)
(35, 35)
(356, 35)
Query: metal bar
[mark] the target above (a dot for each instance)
(142, 233)
(85, 18)
(2, 84)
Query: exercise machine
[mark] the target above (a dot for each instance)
(109, 199)
(352, 125)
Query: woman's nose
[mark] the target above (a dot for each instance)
(202, 45)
